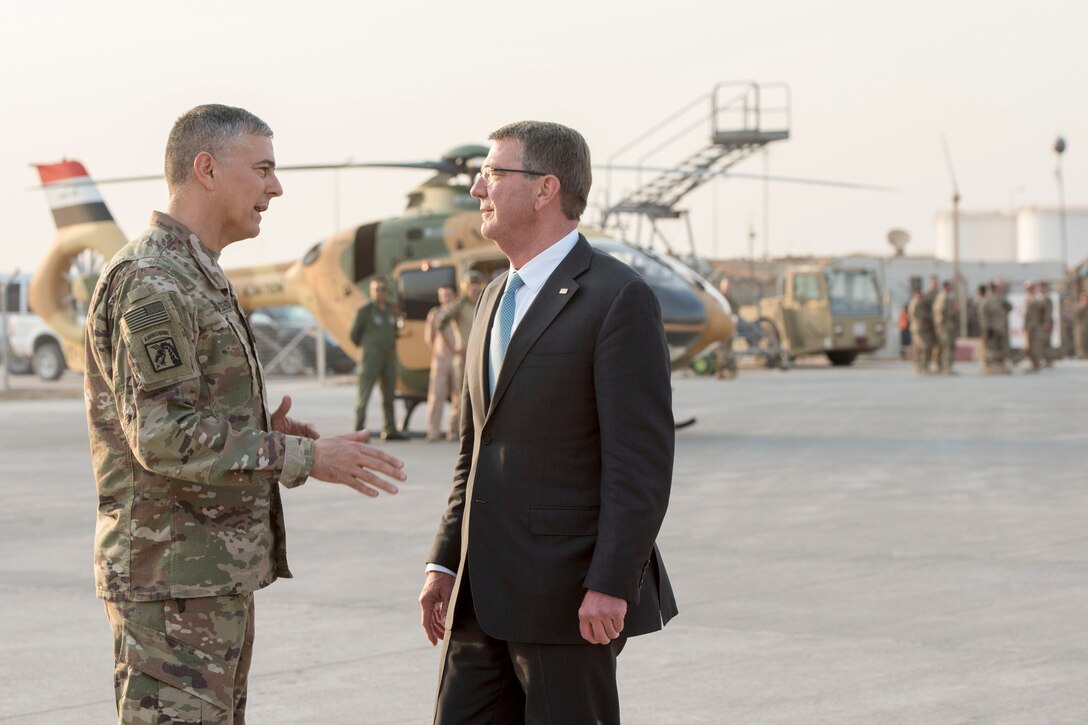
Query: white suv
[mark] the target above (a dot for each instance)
(32, 344)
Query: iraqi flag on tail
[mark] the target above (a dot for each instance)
(72, 194)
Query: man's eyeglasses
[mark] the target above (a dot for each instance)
(487, 173)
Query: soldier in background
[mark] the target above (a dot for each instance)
(946, 323)
(727, 362)
(1080, 326)
(375, 331)
(915, 312)
(459, 318)
(995, 321)
(441, 384)
(1048, 353)
(1034, 326)
(187, 455)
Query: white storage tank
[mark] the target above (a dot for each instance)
(1039, 235)
(984, 236)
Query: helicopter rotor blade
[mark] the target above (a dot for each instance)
(757, 177)
(443, 167)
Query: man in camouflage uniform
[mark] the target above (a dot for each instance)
(1080, 326)
(921, 330)
(460, 316)
(375, 331)
(727, 361)
(442, 381)
(186, 453)
(995, 329)
(946, 324)
(1035, 326)
(1048, 325)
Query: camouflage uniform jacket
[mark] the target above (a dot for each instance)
(182, 447)
(945, 317)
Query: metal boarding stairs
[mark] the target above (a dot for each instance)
(743, 118)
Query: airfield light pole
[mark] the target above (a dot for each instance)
(957, 283)
(1059, 149)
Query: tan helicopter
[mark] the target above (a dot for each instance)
(435, 241)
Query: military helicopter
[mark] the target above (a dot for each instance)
(435, 241)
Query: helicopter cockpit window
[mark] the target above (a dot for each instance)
(417, 289)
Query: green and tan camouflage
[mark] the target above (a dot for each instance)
(182, 661)
(946, 325)
(182, 447)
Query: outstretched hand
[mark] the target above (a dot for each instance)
(282, 424)
(346, 459)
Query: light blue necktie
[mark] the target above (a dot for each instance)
(501, 341)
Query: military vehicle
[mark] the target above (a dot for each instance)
(822, 309)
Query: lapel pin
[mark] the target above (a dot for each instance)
(563, 291)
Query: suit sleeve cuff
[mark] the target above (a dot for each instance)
(439, 567)
(298, 459)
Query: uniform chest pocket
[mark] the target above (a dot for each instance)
(226, 356)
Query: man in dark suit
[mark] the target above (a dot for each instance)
(545, 560)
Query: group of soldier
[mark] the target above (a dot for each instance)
(445, 331)
(935, 324)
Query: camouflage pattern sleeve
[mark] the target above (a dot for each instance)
(185, 384)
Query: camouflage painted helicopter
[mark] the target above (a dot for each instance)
(435, 241)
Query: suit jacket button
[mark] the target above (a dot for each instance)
(486, 439)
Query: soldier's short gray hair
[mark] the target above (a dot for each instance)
(558, 150)
(212, 128)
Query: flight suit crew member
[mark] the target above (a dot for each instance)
(187, 455)
(375, 331)
(460, 317)
(441, 384)
(946, 324)
(1080, 326)
(918, 311)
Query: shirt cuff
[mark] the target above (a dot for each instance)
(439, 567)
(298, 459)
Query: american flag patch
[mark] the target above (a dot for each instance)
(150, 314)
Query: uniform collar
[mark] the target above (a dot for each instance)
(207, 260)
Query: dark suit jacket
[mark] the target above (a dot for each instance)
(563, 479)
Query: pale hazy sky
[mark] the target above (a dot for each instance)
(874, 87)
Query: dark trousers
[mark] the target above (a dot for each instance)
(486, 680)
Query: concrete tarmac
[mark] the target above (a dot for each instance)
(848, 546)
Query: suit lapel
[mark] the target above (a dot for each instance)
(549, 302)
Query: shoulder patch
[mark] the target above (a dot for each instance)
(160, 352)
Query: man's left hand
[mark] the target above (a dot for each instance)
(289, 426)
(600, 618)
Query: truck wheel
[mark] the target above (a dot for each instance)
(48, 360)
(770, 344)
(842, 359)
